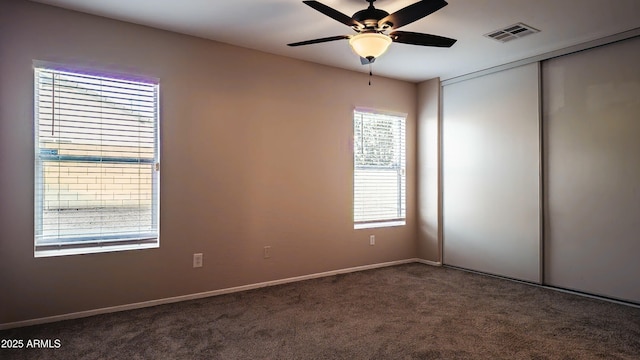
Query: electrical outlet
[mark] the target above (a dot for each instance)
(267, 252)
(372, 240)
(197, 260)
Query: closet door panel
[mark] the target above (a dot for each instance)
(591, 112)
(491, 172)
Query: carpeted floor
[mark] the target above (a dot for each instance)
(411, 311)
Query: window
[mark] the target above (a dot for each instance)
(96, 163)
(379, 179)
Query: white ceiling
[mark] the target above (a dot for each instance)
(268, 25)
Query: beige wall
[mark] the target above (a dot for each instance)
(428, 159)
(255, 151)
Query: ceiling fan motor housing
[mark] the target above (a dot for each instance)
(370, 17)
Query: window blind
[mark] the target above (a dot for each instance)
(379, 179)
(96, 160)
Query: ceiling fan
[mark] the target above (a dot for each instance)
(372, 25)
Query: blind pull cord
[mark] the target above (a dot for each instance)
(362, 147)
(53, 104)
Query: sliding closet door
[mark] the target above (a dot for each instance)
(491, 172)
(592, 164)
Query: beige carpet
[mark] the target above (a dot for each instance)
(410, 311)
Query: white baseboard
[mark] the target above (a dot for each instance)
(429, 262)
(174, 299)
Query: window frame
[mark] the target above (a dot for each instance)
(400, 167)
(93, 243)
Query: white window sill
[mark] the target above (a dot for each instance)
(94, 249)
(373, 225)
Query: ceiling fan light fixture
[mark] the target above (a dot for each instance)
(370, 45)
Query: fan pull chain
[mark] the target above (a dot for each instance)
(370, 74)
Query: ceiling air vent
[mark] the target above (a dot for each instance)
(512, 32)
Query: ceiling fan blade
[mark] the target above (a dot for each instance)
(365, 61)
(413, 12)
(316, 41)
(406, 37)
(334, 14)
